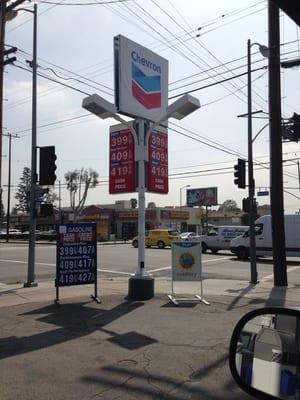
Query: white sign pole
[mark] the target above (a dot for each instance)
(141, 197)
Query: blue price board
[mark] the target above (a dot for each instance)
(76, 254)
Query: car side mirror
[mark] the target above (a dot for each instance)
(265, 352)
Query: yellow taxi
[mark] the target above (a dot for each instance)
(158, 237)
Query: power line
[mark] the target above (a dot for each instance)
(181, 42)
(53, 80)
(205, 48)
(84, 4)
(215, 83)
(56, 122)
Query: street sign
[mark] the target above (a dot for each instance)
(76, 254)
(202, 197)
(141, 80)
(122, 176)
(158, 180)
(263, 193)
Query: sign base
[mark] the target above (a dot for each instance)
(197, 298)
(96, 299)
(140, 288)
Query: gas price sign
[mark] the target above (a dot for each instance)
(158, 180)
(121, 161)
(76, 254)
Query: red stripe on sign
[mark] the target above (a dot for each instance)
(148, 100)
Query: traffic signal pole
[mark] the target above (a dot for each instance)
(31, 251)
(251, 182)
(276, 170)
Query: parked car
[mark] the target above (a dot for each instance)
(190, 236)
(263, 238)
(48, 235)
(219, 237)
(158, 237)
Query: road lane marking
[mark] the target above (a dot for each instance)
(26, 262)
(114, 272)
(268, 277)
(203, 262)
(217, 259)
(111, 271)
(159, 269)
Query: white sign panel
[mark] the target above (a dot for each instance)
(186, 261)
(141, 80)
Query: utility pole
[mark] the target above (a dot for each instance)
(251, 182)
(2, 41)
(31, 250)
(276, 169)
(7, 12)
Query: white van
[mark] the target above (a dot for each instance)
(263, 238)
(219, 237)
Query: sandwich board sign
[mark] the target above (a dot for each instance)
(76, 256)
(187, 267)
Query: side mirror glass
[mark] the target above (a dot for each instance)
(265, 353)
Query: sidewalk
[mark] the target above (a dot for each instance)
(124, 349)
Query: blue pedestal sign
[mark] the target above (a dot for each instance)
(76, 256)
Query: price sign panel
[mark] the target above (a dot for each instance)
(76, 254)
(158, 180)
(121, 160)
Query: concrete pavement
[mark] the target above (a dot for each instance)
(124, 349)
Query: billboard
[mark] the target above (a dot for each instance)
(158, 181)
(141, 80)
(202, 197)
(121, 160)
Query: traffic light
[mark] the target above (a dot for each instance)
(47, 165)
(246, 205)
(296, 125)
(291, 129)
(9, 60)
(240, 173)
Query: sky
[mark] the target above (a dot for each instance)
(204, 42)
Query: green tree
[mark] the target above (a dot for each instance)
(22, 195)
(78, 184)
(229, 205)
(51, 197)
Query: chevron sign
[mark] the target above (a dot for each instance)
(141, 80)
(146, 89)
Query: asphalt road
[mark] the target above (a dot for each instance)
(118, 260)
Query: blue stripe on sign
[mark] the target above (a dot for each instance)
(147, 83)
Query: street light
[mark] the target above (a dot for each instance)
(31, 248)
(251, 182)
(183, 187)
(141, 284)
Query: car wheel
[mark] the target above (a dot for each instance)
(204, 247)
(214, 251)
(242, 253)
(135, 244)
(160, 244)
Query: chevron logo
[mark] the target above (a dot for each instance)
(146, 89)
